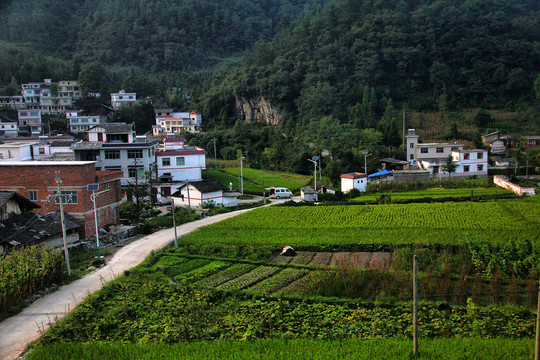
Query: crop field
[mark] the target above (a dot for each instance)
(324, 226)
(282, 349)
(435, 193)
(253, 179)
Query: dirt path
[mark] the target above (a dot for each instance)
(20, 330)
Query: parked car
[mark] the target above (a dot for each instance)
(280, 193)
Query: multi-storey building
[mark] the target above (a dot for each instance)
(36, 180)
(429, 156)
(31, 119)
(79, 121)
(178, 164)
(470, 162)
(122, 98)
(69, 89)
(114, 146)
(176, 122)
(13, 102)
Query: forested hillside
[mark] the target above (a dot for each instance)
(347, 59)
(156, 35)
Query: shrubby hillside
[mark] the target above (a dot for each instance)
(347, 59)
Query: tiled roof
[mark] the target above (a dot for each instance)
(30, 228)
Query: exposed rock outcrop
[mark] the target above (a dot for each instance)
(257, 109)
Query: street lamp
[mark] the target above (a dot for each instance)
(93, 196)
(366, 153)
(314, 160)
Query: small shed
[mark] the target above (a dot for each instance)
(204, 192)
(355, 180)
(308, 194)
(380, 176)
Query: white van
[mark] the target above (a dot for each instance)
(280, 193)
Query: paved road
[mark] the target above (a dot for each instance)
(20, 330)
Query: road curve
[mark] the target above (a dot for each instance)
(18, 331)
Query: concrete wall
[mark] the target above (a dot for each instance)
(505, 184)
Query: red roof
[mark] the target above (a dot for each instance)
(192, 113)
(354, 175)
(181, 152)
(175, 140)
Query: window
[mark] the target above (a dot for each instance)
(32, 195)
(466, 168)
(480, 155)
(41, 151)
(411, 157)
(67, 197)
(134, 172)
(180, 161)
(166, 191)
(424, 150)
(166, 161)
(466, 156)
(112, 154)
(412, 146)
(120, 97)
(440, 150)
(33, 114)
(480, 167)
(132, 154)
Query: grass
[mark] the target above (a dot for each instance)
(434, 193)
(253, 179)
(439, 223)
(400, 348)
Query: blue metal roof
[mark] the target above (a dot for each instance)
(380, 173)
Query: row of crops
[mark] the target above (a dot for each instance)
(440, 223)
(26, 271)
(284, 349)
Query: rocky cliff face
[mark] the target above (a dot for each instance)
(257, 109)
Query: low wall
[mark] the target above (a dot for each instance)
(505, 184)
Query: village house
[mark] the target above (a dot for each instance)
(114, 146)
(36, 180)
(122, 98)
(355, 180)
(16, 151)
(79, 121)
(204, 193)
(31, 120)
(177, 164)
(171, 122)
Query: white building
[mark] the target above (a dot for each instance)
(115, 147)
(79, 122)
(175, 122)
(16, 151)
(429, 156)
(47, 147)
(9, 128)
(122, 98)
(204, 192)
(471, 162)
(355, 180)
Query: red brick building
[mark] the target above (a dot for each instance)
(36, 180)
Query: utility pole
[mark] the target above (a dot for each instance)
(61, 201)
(537, 346)
(415, 305)
(241, 174)
(174, 223)
(403, 134)
(215, 154)
(366, 153)
(188, 199)
(264, 190)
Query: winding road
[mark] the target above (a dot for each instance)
(18, 331)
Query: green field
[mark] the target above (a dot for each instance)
(439, 223)
(452, 348)
(435, 193)
(253, 179)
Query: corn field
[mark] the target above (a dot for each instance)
(26, 271)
